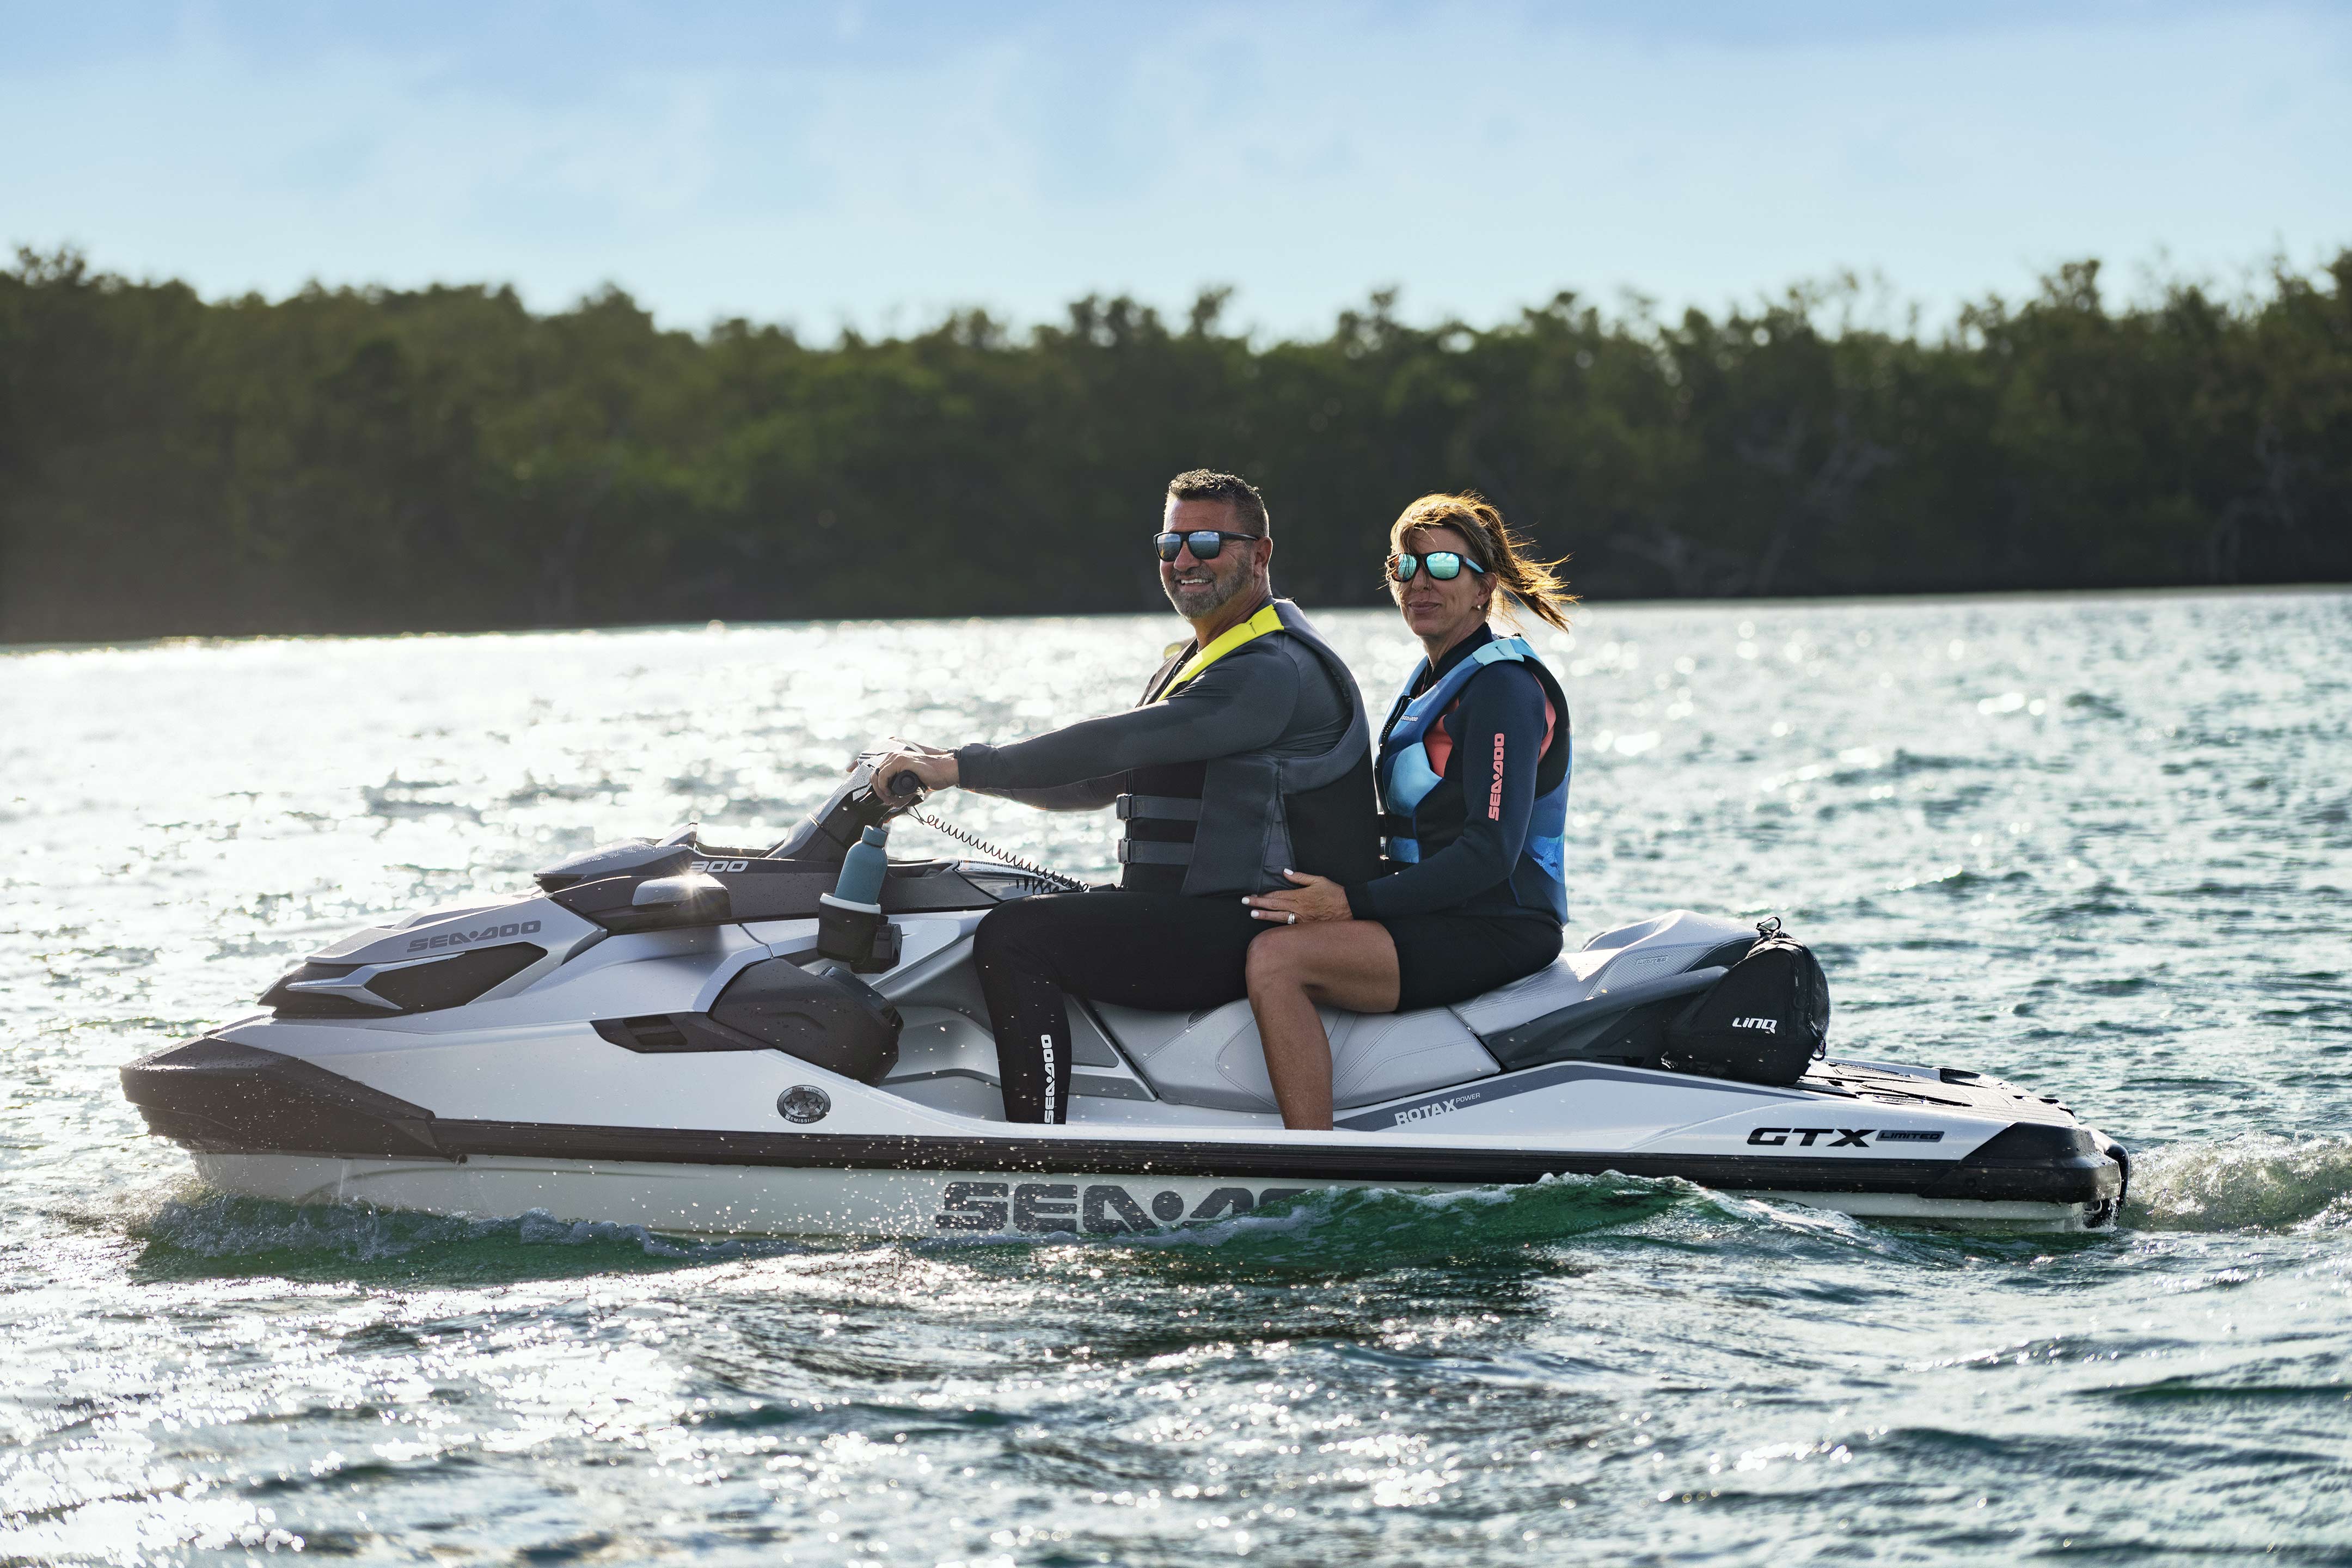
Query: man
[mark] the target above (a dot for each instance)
(1248, 756)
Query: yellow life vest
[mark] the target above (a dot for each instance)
(1265, 621)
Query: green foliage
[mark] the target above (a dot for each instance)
(364, 461)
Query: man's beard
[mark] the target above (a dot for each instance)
(1193, 603)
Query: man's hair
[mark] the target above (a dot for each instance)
(1207, 484)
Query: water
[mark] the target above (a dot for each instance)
(2099, 845)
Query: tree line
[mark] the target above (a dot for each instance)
(362, 460)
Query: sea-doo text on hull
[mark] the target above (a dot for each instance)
(708, 1041)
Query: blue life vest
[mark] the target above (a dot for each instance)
(1406, 777)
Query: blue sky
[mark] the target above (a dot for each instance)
(875, 165)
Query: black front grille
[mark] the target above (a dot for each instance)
(307, 1005)
(450, 981)
(456, 980)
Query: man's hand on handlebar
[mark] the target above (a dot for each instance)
(936, 769)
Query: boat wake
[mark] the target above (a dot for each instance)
(2257, 1182)
(1380, 1227)
(216, 1233)
(1358, 1230)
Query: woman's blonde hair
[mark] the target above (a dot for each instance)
(1531, 584)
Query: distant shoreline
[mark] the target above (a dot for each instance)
(374, 462)
(691, 629)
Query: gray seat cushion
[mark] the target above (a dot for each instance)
(1669, 944)
(1213, 1058)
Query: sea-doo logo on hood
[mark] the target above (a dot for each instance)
(467, 938)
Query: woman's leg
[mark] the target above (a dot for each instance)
(1293, 970)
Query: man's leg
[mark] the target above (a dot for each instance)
(1014, 952)
(1164, 952)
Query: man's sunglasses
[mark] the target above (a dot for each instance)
(1443, 565)
(1206, 543)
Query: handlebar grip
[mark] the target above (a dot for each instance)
(904, 783)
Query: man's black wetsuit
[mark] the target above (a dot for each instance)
(1147, 944)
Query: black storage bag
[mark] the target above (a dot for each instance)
(1762, 1022)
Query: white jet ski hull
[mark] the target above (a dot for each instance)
(698, 1040)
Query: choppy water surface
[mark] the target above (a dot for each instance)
(2098, 846)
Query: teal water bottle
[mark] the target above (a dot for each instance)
(849, 924)
(863, 869)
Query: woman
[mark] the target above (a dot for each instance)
(1474, 765)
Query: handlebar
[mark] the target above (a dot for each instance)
(858, 802)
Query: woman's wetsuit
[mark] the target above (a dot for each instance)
(1478, 908)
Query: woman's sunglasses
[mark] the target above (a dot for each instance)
(1206, 543)
(1444, 565)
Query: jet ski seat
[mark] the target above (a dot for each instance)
(1212, 1057)
(1672, 943)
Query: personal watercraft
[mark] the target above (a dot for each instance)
(715, 1041)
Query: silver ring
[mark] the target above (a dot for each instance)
(1294, 919)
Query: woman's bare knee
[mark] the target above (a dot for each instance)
(1277, 962)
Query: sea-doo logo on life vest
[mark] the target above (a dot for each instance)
(1844, 1137)
(1770, 1026)
(467, 938)
(1494, 790)
(1040, 1208)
